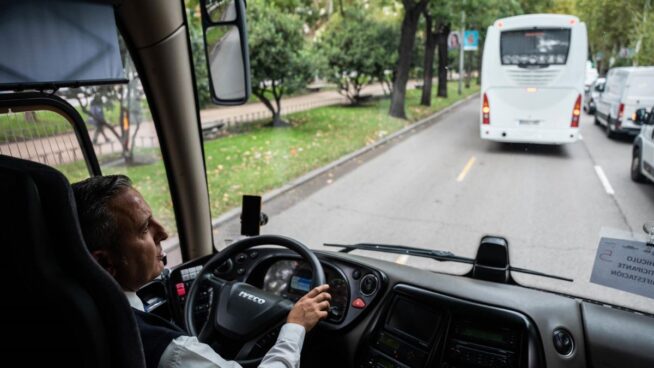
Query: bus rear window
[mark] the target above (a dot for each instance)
(535, 47)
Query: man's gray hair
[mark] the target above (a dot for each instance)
(93, 196)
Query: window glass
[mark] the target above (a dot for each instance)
(45, 137)
(535, 47)
(124, 138)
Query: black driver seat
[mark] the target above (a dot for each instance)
(59, 307)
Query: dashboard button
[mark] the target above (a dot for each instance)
(240, 271)
(356, 274)
(240, 258)
(358, 303)
(254, 254)
(224, 268)
(369, 284)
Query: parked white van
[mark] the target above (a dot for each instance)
(627, 89)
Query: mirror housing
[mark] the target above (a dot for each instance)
(639, 116)
(226, 49)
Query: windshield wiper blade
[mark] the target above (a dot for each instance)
(538, 273)
(438, 255)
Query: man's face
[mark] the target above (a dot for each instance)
(138, 258)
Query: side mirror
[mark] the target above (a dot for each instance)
(599, 88)
(226, 46)
(640, 116)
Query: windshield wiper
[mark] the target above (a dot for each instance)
(438, 255)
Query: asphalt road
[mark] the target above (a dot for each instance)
(443, 187)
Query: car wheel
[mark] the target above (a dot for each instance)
(636, 174)
(609, 133)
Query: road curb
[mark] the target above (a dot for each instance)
(235, 212)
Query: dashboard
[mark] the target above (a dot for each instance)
(292, 279)
(354, 288)
(389, 315)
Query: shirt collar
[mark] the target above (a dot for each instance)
(134, 300)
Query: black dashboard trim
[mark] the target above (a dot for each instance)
(534, 346)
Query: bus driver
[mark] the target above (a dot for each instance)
(125, 239)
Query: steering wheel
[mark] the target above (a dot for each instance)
(242, 314)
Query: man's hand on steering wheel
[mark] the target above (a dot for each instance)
(311, 308)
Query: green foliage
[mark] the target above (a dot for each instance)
(613, 25)
(199, 56)
(357, 49)
(280, 62)
(387, 39)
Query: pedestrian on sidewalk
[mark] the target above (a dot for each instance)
(97, 119)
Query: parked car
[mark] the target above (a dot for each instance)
(642, 162)
(591, 93)
(626, 90)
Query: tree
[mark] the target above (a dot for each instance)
(387, 37)
(412, 11)
(355, 52)
(125, 97)
(443, 57)
(279, 61)
(614, 26)
(438, 17)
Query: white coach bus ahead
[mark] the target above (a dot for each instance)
(532, 82)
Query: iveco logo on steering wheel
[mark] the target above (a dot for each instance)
(251, 297)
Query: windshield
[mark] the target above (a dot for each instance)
(535, 46)
(338, 161)
(353, 134)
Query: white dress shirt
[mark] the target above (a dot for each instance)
(187, 351)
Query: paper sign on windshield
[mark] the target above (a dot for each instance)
(627, 265)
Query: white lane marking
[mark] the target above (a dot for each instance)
(604, 180)
(402, 259)
(465, 170)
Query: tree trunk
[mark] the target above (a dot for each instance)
(443, 32)
(430, 47)
(277, 121)
(30, 117)
(412, 13)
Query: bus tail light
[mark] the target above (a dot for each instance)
(620, 112)
(576, 112)
(485, 111)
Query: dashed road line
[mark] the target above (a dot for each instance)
(605, 181)
(466, 169)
